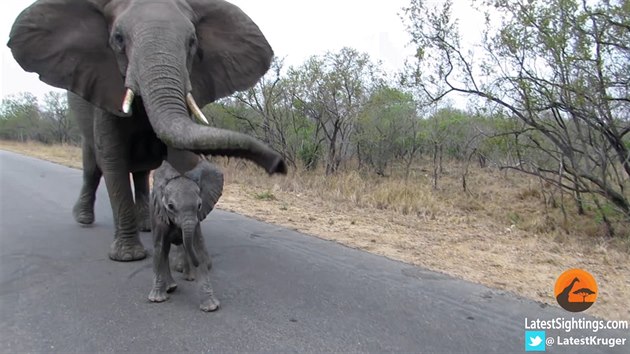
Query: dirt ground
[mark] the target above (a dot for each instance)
(466, 245)
(472, 249)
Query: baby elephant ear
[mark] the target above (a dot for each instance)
(210, 181)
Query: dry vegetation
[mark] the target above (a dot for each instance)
(507, 232)
(67, 155)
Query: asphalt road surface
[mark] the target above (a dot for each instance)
(280, 291)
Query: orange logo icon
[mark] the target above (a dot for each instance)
(576, 290)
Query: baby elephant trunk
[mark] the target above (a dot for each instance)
(188, 232)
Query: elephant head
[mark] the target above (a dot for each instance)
(184, 200)
(171, 53)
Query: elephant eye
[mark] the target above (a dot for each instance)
(170, 206)
(192, 42)
(119, 40)
(199, 207)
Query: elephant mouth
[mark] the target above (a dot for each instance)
(190, 101)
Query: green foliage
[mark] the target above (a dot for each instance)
(22, 119)
(226, 116)
(331, 91)
(19, 117)
(309, 155)
(449, 128)
(385, 128)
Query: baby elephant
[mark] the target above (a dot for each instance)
(179, 202)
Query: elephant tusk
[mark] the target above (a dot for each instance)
(195, 109)
(126, 106)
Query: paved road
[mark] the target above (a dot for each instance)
(280, 291)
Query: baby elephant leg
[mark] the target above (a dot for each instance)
(163, 281)
(178, 258)
(181, 264)
(208, 301)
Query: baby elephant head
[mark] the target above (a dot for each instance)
(184, 200)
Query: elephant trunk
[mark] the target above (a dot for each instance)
(164, 87)
(188, 232)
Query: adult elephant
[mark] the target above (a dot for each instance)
(135, 68)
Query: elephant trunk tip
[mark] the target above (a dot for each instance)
(189, 244)
(273, 163)
(191, 254)
(277, 166)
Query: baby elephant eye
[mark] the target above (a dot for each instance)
(199, 207)
(170, 206)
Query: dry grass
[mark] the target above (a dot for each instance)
(504, 232)
(501, 233)
(67, 155)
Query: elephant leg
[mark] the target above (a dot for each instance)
(178, 259)
(126, 246)
(209, 302)
(163, 282)
(180, 262)
(83, 210)
(112, 145)
(171, 285)
(141, 191)
(188, 270)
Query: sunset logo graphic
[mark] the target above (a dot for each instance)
(576, 290)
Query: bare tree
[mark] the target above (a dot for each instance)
(333, 90)
(268, 110)
(20, 117)
(561, 67)
(55, 111)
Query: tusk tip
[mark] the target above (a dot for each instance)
(127, 101)
(195, 109)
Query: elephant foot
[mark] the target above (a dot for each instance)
(127, 250)
(158, 295)
(83, 213)
(178, 267)
(189, 274)
(171, 287)
(210, 304)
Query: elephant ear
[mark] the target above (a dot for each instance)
(232, 54)
(66, 43)
(164, 174)
(210, 181)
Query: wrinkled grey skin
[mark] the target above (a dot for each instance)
(179, 202)
(162, 50)
(83, 211)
